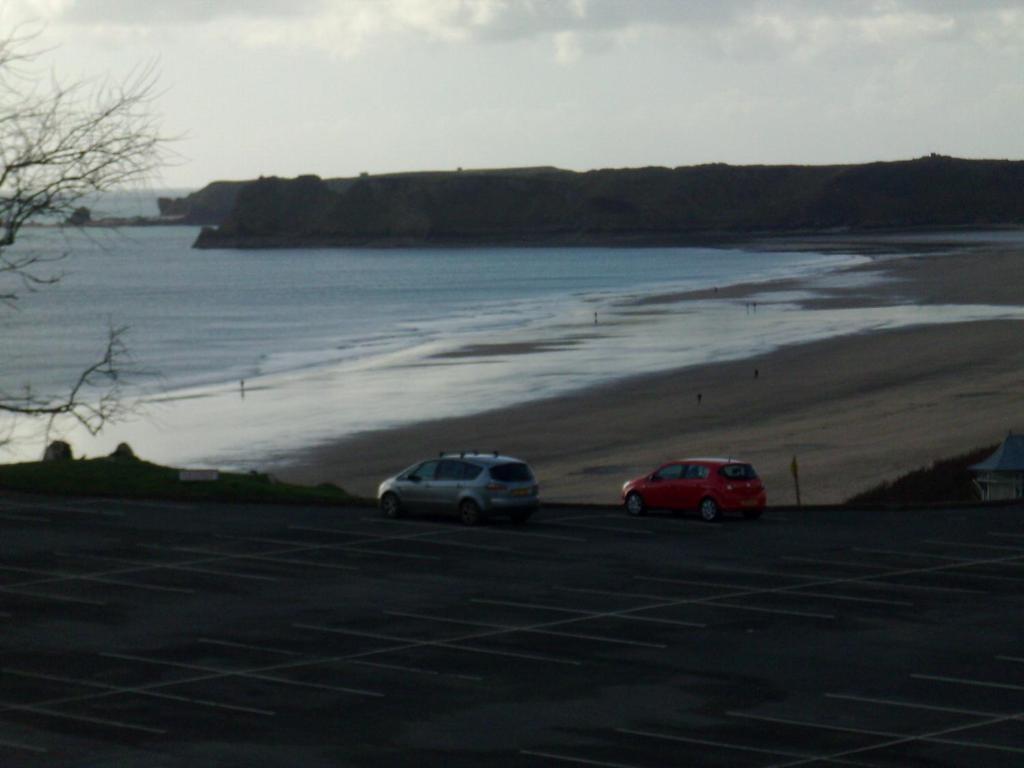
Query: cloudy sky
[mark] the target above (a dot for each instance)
(337, 87)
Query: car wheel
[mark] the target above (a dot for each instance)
(390, 506)
(709, 511)
(469, 512)
(635, 505)
(520, 516)
(752, 514)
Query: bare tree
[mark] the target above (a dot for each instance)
(61, 143)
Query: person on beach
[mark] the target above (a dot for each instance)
(699, 398)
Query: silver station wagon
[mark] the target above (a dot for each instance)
(471, 484)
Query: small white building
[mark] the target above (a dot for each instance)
(1001, 475)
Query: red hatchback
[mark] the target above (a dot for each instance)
(710, 486)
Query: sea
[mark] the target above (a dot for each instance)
(238, 358)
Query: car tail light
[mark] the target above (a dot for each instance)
(496, 487)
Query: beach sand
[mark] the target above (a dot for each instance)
(854, 410)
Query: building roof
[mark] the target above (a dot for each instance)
(1009, 457)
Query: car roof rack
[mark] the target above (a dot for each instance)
(464, 454)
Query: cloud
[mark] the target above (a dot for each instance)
(800, 29)
(176, 12)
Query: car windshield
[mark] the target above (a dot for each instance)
(512, 473)
(738, 472)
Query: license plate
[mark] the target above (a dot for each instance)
(749, 502)
(520, 491)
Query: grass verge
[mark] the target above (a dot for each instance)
(136, 479)
(944, 481)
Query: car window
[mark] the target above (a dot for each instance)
(513, 472)
(738, 472)
(696, 472)
(671, 472)
(425, 471)
(470, 471)
(449, 470)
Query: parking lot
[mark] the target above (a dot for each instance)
(153, 634)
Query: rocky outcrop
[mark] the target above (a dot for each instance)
(624, 206)
(209, 205)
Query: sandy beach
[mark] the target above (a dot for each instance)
(854, 410)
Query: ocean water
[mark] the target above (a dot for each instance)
(331, 342)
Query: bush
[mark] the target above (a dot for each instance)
(944, 481)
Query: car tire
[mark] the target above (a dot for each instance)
(519, 517)
(752, 514)
(635, 506)
(469, 512)
(390, 506)
(709, 511)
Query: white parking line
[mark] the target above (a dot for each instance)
(969, 681)
(497, 531)
(386, 553)
(22, 746)
(247, 674)
(15, 590)
(933, 738)
(513, 628)
(269, 558)
(780, 611)
(1007, 534)
(607, 528)
(712, 602)
(876, 582)
(709, 743)
(817, 726)
(904, 553)
(70, 576)
(839, 563)
(537, 606)
(914, 705)
(1003, 547)
(577, 760)
(244, 646)
(24, 518)
(592, 614)
(1016, 659)
(185, 566)
(797, 591)
(314, 529)
(417, 670)
(949, 558)
(137, 691)
(38, 710)
(454, 643)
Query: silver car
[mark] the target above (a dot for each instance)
(471, 484)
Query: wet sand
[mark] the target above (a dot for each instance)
(854, 410)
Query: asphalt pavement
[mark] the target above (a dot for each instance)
(161, 635)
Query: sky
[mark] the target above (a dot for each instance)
(340, 87)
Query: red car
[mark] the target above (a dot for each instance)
(710, 486)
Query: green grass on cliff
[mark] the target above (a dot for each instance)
(947, 480)
(136, 479)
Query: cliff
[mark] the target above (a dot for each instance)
(624, 206)
(210, 205)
